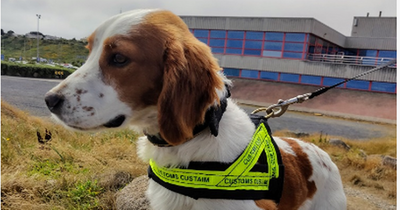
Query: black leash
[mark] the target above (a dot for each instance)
(278, 109)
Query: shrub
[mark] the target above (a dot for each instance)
(33, 70)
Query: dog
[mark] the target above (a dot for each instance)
(146, 69)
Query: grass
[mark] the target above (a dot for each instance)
(71, 171)
(84, 171)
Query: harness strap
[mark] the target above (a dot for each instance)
(245, 178)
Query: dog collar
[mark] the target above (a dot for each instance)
(212, 118)
(256, 174)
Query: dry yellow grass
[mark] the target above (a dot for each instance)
(83, 171)
(71, 171)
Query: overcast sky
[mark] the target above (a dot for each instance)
(79, 18)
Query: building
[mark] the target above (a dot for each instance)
(301, 50)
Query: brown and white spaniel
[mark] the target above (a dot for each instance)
(145, 69)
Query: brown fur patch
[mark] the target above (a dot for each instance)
(90, 40)
(190, 79)
(296, 188)
(168, 67)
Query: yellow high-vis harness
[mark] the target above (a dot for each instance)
(246, 178)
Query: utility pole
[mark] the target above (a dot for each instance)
(37, 36)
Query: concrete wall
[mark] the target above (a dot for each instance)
(374, 27)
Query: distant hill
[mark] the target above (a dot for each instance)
(60, 50)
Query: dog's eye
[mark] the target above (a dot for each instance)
(119, 59)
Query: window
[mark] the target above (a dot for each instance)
(384, 87)
(252, 47)
(358, 84)
(200, 33)
(294, 37)
(235, 34)
(204, 40)
(233, 51)
(253, 44)
(274, 36)
(249, 73)
(231, 72)
(252, 52)
(217, 34)
(297, 47)
(217, 42)
(217, 50)
(367, 53)
(273, 46)
(387, 54)
(269, 75)
(234, 43)
(254, 35)
(269, 53)
(313, 80)
(328, 81)
(285, 77)
(292, 55)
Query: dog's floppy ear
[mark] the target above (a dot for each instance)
(189, 88)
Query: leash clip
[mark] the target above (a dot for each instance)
(276, 110)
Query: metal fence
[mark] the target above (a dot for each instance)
(348, 59)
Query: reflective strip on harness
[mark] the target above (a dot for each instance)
(237, 177)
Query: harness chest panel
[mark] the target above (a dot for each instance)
(256, 174)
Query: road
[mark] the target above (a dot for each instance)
(28, 93)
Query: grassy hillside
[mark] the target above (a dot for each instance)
(60, 51)
(84, 171)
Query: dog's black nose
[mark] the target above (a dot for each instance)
(54, 102)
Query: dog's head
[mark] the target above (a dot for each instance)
(144, 68)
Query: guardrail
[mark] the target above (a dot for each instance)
(348, 59)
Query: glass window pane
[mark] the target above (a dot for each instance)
(387, 54)
(294, 37)
(269, 53)
(328, 81)
(231, 72)
(253, 44)
(384, 87)
(269, 75)
(369, 61)
(358, 84)
(217, 50)
(294, 47)
(274, 36)
(311, 49)
(312, 39)
(252, 52)
(217, 34)
(313, 80)
(234, 43)
(292, 55)
(249, 73)
(368, 53)
(273, 46)
(289, 77)
(204, 40)
(217, 42)
(235, 34)
(233, 51)
(200, 33)
(254, 35)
